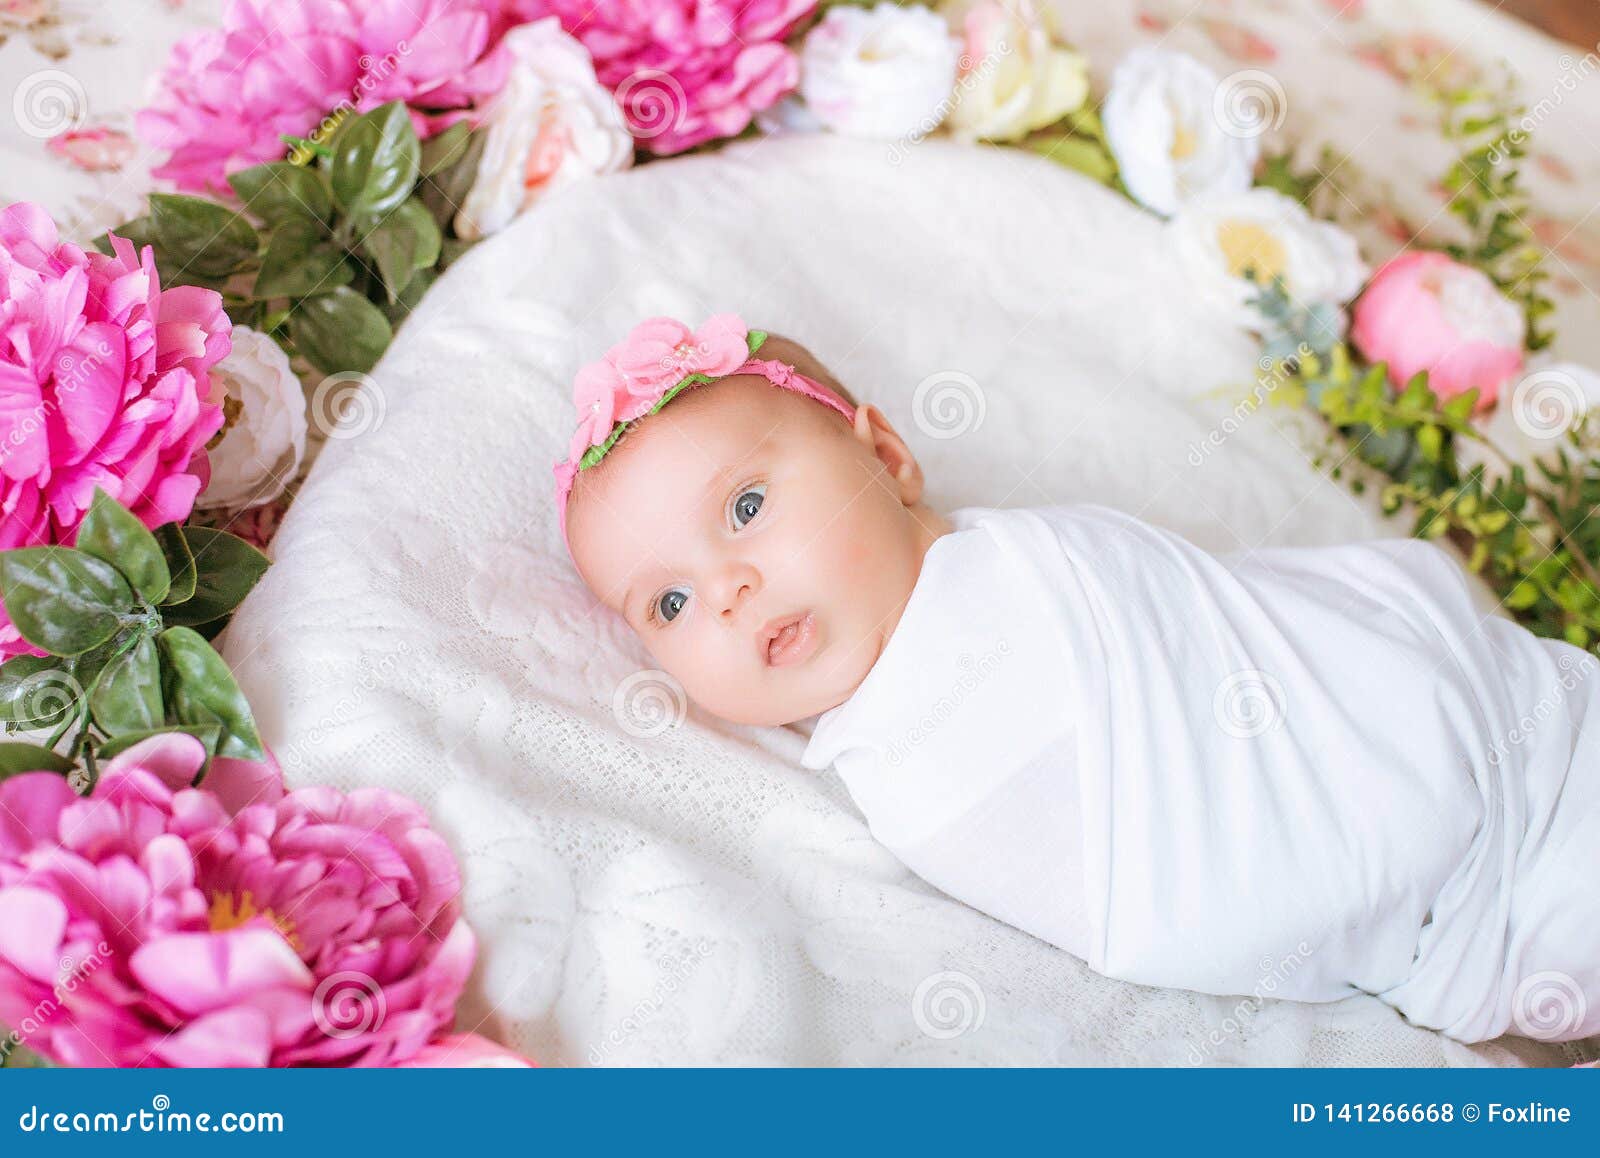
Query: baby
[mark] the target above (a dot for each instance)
(1303, 773)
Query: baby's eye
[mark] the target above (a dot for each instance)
(747, 505)
(670, 603)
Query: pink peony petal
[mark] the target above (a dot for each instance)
(32, 922)
(198, 972)
(231, 1038)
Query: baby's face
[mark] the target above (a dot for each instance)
(761, 547)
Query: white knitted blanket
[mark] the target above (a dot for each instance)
(667, 888)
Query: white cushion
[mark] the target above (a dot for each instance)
(694, 896)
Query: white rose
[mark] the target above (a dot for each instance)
(1219, 238)
(1170, 144)
(1531, 420)
(258, 451)
(551, 124)
(1014, 77)
(879, 72)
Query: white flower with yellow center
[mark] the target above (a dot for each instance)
(1221, 240)
(880, 72)
(1162, 125)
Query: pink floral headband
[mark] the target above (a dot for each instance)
(658, 360)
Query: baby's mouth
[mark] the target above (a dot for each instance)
(789, 639)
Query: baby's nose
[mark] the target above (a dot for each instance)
(736, 587)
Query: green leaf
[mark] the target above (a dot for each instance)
(279, 192)
(340, 331)
(37, 691)
(18, 757)
(300, 260)
(63, 600)
(112, 532)
(402, 243)
(376, 160)
(446, 149)
(200, 689)
(207, 734)
(226, 568)
(127, 696)
(1076, 153)
(203, 237)
(180, 562)
(445, 189)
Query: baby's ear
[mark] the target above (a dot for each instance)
(873, 431)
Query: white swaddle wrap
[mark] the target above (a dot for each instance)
(1298, 773)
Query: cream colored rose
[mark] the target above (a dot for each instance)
(551, 124)
(881, 72)
(1170, 144)
(1219, 239)
(258, 451)
(1015, 77)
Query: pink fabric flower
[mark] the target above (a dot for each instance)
(104, 382)
(686, 71)
(1423, 311)
(149, 926)
(228, 95)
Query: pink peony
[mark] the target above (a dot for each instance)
(466, 1051)
(686, 71)
(104, 382)
(227, 96)
(1423, 311)
(148, 926)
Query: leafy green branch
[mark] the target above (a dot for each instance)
(126, 617)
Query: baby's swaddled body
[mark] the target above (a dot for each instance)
(1303, 772)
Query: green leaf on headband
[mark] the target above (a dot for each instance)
(402, 243)
(225, 568)
(127, 695)
(340, 331)
(17, 757)
(300, 260)
(755, 339)
(62, 600)
(279, 192)
(200, 689)
(112, 532)
(205, 239)
(376, 159)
